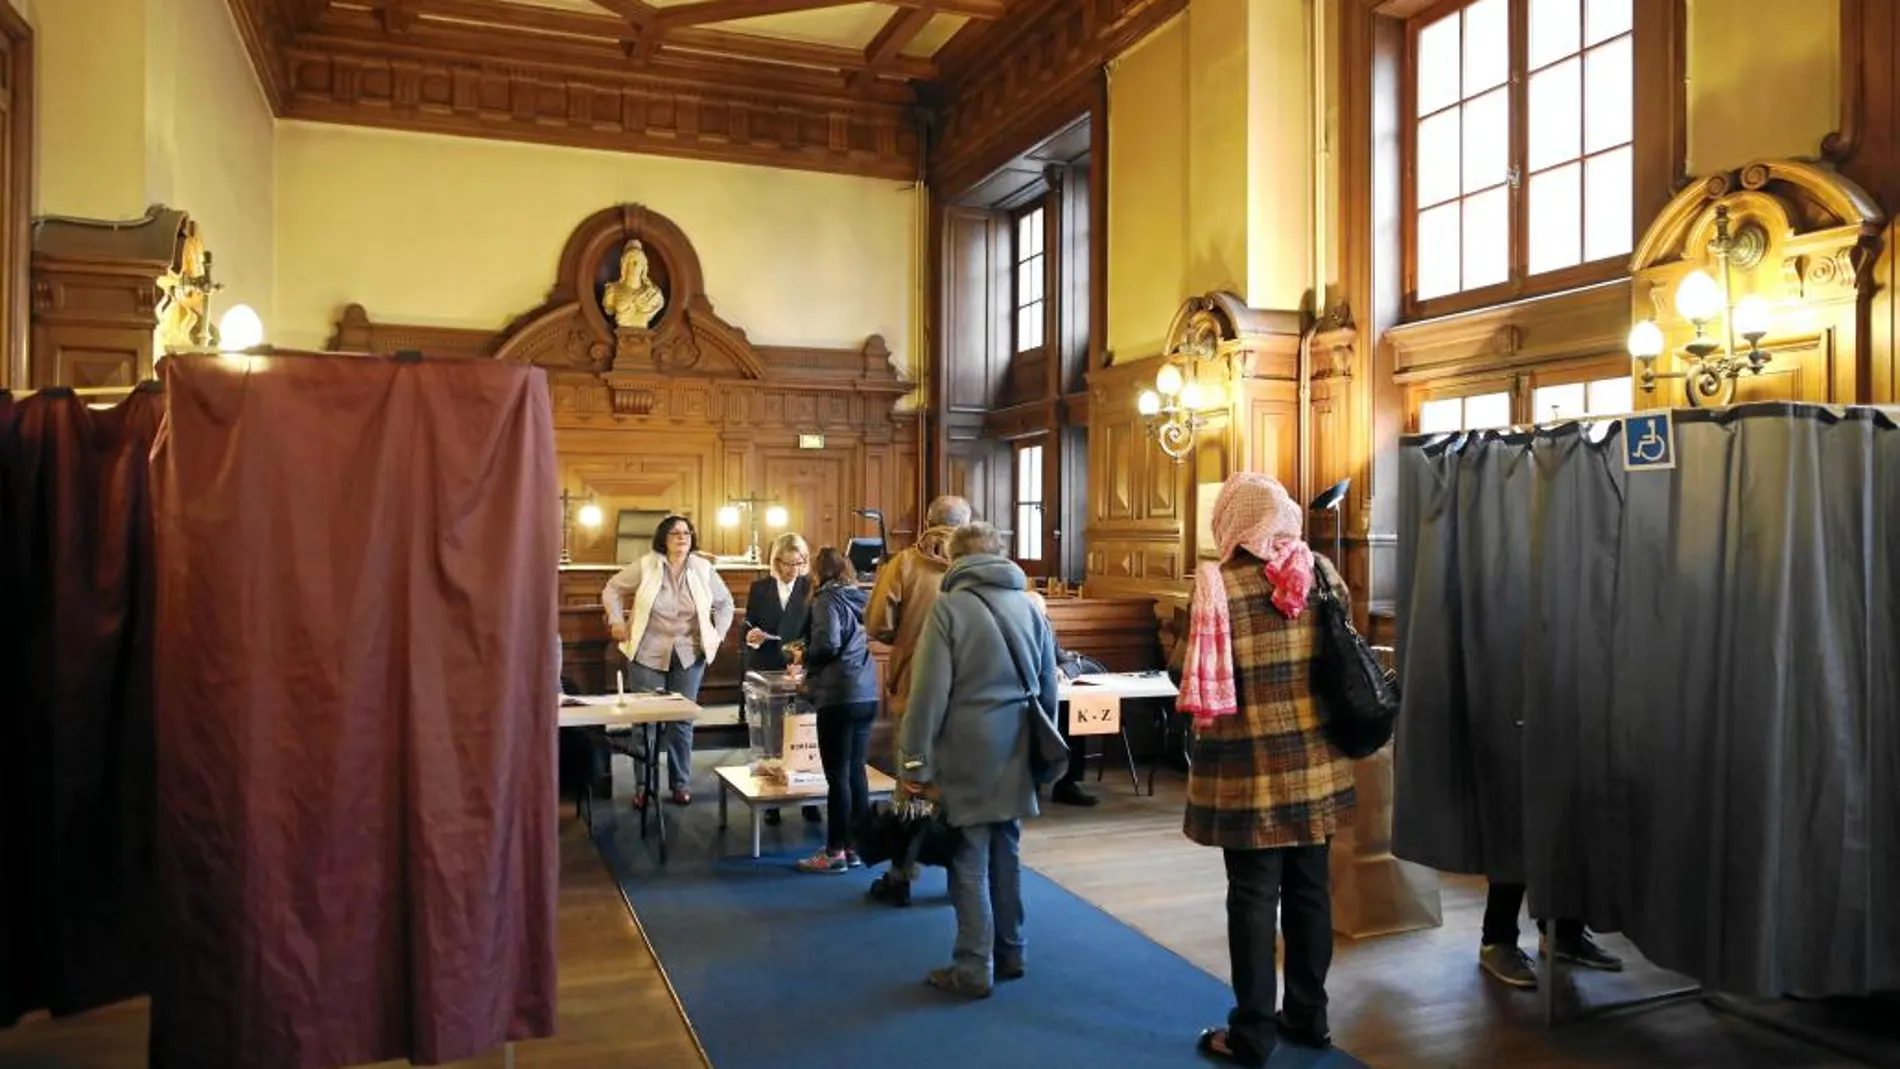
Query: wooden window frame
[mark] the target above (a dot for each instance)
(1036, 566)
(1658, 126)
(1015, 217)
(1521, 383)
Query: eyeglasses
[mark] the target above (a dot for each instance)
(796, 562)
(679, 532)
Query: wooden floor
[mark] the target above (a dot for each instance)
(615, 1007)
(1412, 1001)
(1409, 1001)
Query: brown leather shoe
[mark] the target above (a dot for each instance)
(682, 796)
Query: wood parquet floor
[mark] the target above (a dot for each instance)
(1410, 1001)
(615, 1009)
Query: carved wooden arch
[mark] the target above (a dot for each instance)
(571, 330)
(1222, 326)
(1803, 228)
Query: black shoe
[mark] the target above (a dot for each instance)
(890, 892)
(1070, 794)
(1219, 1044)
(1508, 964)
(1585, 952)
(1305, 1035)
(1009, 972)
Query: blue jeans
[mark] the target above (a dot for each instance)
(986, 887)
(675, 738)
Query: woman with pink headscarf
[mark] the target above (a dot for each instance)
(1265, 786)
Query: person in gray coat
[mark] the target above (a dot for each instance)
(982, 657)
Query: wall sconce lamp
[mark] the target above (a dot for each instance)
(1713, 365)
(1173, 410)
(590, 518)
(775, 518)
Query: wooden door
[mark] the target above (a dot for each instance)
(817, 499)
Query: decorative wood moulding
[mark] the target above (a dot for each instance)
(1011, 82)
(95, 297)
(546, 74)
(1564, 326)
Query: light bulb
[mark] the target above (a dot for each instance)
(240, 329)
(1751, 317)
(1698, 298)
(1168, 380)
(590, 515)
(1646, 340)
(1148, 403)
(775, 517)
(1191, 395)
(728, 516)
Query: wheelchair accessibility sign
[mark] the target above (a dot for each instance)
(1649, 442)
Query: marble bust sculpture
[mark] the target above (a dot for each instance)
(633, 300)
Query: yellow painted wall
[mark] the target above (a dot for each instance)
(91, 88)
(1764, 80)
(468, 233)
(210, 146)
(1208, 166)
(1147, 191)
(1280, 156)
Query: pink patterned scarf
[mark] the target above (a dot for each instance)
(1254, 513)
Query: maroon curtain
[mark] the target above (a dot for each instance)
(76, 620)
(356, 847)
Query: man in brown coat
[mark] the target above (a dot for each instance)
(907, 586)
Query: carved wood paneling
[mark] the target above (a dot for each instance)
(1581, 323)
(1014, 81)
(95, 298)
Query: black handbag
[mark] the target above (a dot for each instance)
(1362, 699)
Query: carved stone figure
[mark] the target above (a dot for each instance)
(181, 311)
(632, 299)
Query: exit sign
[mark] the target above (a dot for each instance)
(811, 441)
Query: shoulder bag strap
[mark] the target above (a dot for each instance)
(1021, 675)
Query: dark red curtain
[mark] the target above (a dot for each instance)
(356, 847)
(76, 627)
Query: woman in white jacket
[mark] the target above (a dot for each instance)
(679, 615)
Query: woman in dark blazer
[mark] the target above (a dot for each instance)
(777, 609)
(777, 605)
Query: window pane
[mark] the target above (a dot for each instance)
(1029, 235)
(1438, 65)
(1557, 402)
(1487, 141)
(1606, 205)
(1556, 208)
(1554, 25)
(1487, 247)
(1029, 474)
(1487, 45)
(1029, 327)
(1438, 158)
(1487, 410)
(1604, 19)
(1442, 416)
(1029, 282)
(1028, 533)
(1609, 86)
(1556, 115)
(1611, 397)
(1438, 251)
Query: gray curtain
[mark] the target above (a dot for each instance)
(1703, 662)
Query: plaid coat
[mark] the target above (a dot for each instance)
(1266, 777)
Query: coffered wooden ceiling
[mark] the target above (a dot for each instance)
(815, 84)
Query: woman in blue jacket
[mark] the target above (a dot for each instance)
(841, 681)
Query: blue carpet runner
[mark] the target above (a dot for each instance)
(779, 969)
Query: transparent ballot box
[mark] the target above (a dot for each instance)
(782, 729)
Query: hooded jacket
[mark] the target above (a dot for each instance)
(838, 651)
(907, 586)
(968, 729)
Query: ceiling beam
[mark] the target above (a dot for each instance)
(705, 11)
(888, 46)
